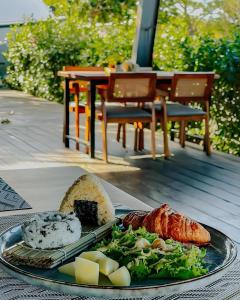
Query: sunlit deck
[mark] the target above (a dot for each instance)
(205, 188)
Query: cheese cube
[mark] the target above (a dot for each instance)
(86, 271)
(107, 265)
(92, 255)
(68, 269)
(120, 277)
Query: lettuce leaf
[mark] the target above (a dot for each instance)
(177, 261)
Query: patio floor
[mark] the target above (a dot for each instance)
(205, 188)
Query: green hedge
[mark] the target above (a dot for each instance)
(38, 50)
(173, 51)
(223, 56)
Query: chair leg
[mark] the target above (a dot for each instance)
(172, 134)
(141, 136)
(167, 153)
(153, 139)
(104, 140)
(207, 144)
(182, 134)
(119, 132)
(136, 138)
(141, 139)
(124, 136)
(87, 129)
(164, 120)
(77, 129)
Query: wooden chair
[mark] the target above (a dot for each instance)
(139, 133)
(135, 89)
(76, 88)
(161, 91)
(186, 89)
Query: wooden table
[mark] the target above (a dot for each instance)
(95, 78)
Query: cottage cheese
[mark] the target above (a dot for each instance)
(51, 230)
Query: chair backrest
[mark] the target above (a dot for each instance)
(79, 68)
(131, 87)
(188, 87)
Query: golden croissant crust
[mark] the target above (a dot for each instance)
(169, 224)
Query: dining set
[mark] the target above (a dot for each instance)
(143, 98)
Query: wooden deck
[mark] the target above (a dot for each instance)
(205, 188)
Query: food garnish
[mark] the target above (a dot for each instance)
(145, 255)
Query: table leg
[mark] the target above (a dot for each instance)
(92, 118)
(66, 114)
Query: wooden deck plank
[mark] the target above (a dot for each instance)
(161, 186)
(221, 160)
(202, 188)
(29, 138)
(211, 170)
(17, 146)
(181, 176)
(221, 184)
(208, 170)
(218, 187)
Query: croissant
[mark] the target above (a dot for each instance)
(135, 218)
(169, 224)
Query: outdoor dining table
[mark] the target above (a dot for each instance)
(43, 189)
(96, 78)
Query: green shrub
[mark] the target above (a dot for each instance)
(222, 56)
(36, 51)
(168, 55)
(173, 52)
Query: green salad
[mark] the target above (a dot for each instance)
(147, 256)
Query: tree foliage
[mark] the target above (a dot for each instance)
(103, 10)
(222, 56)
(38, 50)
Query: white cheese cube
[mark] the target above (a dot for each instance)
(120, 277)
(92, 255)
(68, 269)
(86, 271)
(107, 265)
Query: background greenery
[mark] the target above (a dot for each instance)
(192, 35)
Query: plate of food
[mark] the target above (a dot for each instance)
(87, 249)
